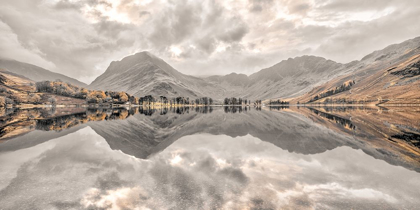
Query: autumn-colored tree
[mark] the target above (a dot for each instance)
(2, 101)
(34, 98)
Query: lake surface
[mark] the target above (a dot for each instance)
(210, 158)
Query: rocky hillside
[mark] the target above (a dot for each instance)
(288, 78)
(390, 75)
(382, 74)
(36, 73)
(143, 73)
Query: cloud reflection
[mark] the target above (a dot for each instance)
(202, 171)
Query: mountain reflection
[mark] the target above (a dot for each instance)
(139, 132)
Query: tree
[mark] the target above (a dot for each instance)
(52, 100)
(96, 96)
(133, 100)
(9, 101)
(2, 101)
(16, 98)
(34, 98)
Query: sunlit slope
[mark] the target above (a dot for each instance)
(388, 76)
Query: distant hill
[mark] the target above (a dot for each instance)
(36, 73)
(288, 78)
(390, 75)
(143, 73)
(16, 82)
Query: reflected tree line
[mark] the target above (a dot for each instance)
(344, 122)
(351, 108)
(149, 100)
(409, 137)
(239, 109)
(62, 122)
(16, 121)
(278, 108)
(148, 111)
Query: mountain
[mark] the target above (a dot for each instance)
(288, 78)
(36, 73)
(15, 82)
(143, 73)
(298, 79)
(390, 76)
(232, 79)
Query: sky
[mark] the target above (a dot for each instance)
(79, 38)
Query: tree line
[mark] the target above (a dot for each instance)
(344, 87)
(92, 96)
(236, 101)
(65, 89)
(149, 100)
(278, 102)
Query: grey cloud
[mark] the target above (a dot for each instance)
(63, 37)
(66, 4)
(112, 29)
(234, 34)
(201, 25)
(266, 2)
(174, 25)
(282, 25)
(144, 13)
(300, 8)
(358, 5)
(355, 40)
(261, 203)
(110, 181)
(302, 202)
(235, 174)
(256, 8)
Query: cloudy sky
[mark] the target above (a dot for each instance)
(199, 37)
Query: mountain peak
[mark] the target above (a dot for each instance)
(143, 73)
(145, 54)
(306, 58)
(132, 60)
(138, 57)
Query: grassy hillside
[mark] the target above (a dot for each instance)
(389, 76)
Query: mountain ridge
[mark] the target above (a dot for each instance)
(390, 75)
(146, 74)
(36, 73)
(159, 78)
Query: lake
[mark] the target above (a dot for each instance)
(210, 158)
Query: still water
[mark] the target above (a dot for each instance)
(210, 158)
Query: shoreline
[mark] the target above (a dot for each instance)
(34, 106)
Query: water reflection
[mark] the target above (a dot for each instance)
(177, 110)
(210, 158)
(344, 122)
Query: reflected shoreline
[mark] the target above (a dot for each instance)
(143, 132)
